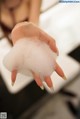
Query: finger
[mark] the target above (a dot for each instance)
(38, 80)
(60, 72)
(49, 40)
(25, 29)
(13, 76)
(48, 80)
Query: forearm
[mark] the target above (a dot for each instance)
(34, 11)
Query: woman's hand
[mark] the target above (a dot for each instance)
(25, 29)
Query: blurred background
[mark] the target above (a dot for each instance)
(25, 100)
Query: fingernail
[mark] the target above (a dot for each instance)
(42, 87)
(64, 77)
(57, 52)
(12, 83)
(52, 89)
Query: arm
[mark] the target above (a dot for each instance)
(34, 11)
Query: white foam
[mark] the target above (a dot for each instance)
(31, 55)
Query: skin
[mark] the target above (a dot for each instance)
(34, 11)
(21, 12)
(26, 29)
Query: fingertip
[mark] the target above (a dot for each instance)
(48, 82)
(42, 87)
(60, 72)
(13, 76)
(54, 48)
(64, 77)
(12, 83)
(38, 80)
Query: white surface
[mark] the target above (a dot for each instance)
(71, 69)
(62, 22)
(47, 4)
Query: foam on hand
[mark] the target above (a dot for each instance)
(29, 55)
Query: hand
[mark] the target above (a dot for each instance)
(25, 29)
